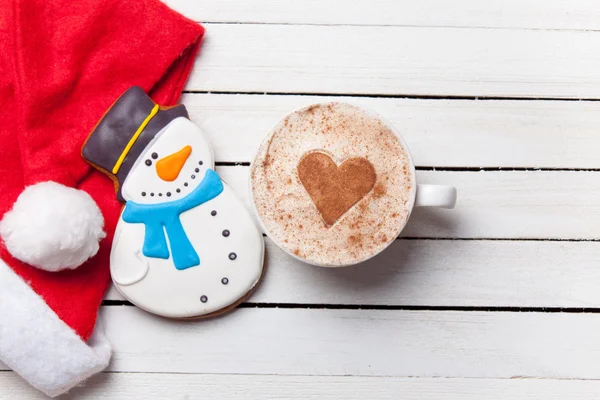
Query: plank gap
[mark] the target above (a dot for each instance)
(383, 25)
(453, 169)
(391, 96)
(491, 239)
(316, 306)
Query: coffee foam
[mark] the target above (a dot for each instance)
(288, 213)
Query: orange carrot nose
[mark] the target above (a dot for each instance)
(169, 167)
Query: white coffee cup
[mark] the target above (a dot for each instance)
(290, 239)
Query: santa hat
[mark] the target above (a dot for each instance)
(62, 64)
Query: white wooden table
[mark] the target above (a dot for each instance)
(499, 298)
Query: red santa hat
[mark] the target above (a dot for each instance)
(62, 64)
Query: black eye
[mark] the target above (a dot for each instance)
(148, 162)
(154, 156)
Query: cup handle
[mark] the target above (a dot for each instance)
(435, 196)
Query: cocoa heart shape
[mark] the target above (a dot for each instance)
(335, 189)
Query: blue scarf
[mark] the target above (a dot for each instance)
(166, 215)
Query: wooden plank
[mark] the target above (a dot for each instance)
(359, 342)
(398, 60)
(497, 204)
(109, 386)
(326, 342)
(529, 14)
(441, 273)
(440, 133)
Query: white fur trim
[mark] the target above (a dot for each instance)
(53, 227)
(39, 346)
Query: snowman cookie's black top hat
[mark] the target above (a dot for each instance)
(124, 131)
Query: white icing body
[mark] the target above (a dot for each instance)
(155, 284)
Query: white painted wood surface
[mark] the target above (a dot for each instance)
(440, 133)
(276, 387)
(527, 14)
(497, 204)
(496, 299)
(450, 273)
(398, 60)
(356, 342)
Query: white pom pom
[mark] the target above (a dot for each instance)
(53, 227)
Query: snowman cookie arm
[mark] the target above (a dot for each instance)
(128, 265)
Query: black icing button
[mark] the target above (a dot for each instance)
(224, 281)
(226, 233)
(200, 163)
(213, 213)
(178, 190)
(154, 156)
(232, 256)
(151, 194)
(143, 193)
(168, 194)
(148, 162)
(203, 299)
(184, 183)
(193, 176)
(160, 194)
(197, 170)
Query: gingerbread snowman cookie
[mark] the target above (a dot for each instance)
(184, 246)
